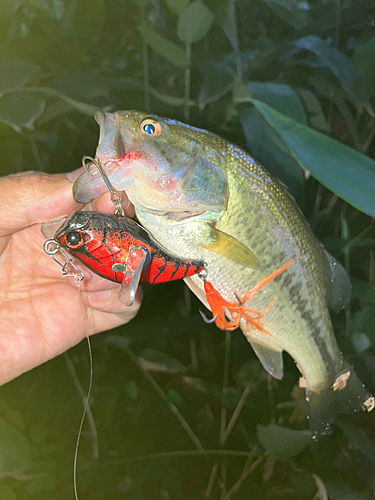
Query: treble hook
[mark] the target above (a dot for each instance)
(51, 247)
(115, 195)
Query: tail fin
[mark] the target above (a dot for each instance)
(347, 394)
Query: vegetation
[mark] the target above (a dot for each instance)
(179, 409)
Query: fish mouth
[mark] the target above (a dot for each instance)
(115, 157)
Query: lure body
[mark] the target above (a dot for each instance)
(104, 242)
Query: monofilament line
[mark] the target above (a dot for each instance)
(87, 397)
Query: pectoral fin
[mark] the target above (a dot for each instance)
(229, 247)
(271, 359)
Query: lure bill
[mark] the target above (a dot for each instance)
(117, 248)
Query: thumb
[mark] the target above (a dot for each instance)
(31, 197)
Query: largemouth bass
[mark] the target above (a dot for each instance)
(206, 199)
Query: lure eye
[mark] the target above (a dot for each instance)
(150, 127)
(73, 239)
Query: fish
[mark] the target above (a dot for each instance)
(118, 249)
(204, 198)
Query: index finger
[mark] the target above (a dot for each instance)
(28, 198)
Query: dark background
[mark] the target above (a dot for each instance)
(165, 384)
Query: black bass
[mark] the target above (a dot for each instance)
(203, 198)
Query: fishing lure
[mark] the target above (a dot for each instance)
(119, 249)
(227, 315)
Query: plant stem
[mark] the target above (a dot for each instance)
(146, 76)
(236, 46)
(223, 422)
(164, 397)
(187, 82)
(337, 27)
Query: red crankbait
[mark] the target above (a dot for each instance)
(119, 249)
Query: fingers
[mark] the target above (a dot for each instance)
(101, 297)
(106, 311)
(30, 197)
(103, 203)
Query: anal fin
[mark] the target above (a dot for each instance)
(271, 359)
(339, 286)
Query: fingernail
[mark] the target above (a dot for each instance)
(125, 202)
(102, 295)
(73, 176)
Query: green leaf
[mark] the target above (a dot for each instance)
(282, 443)
(289, 11)
(280, 97)
(314, 109)
(266, 146)
(363, 58)
(177, 6)
(337, 97)
(6, 8)
(170, 51)
(157, 361)
(20, 110)
(346, 172)
(329, 57)
(194, 22)
(14, 73)
(86, 109)
(6, 493)
(15, 452)
(225, 16)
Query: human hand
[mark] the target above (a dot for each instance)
(40, 313)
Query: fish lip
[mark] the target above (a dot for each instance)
(114, 140)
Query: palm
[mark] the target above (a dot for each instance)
(41, 314)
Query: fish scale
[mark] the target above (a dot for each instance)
(203, 198)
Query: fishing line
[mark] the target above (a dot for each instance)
(88, 394)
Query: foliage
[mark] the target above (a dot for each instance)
(179, 409)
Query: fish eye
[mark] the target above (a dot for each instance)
(73, 239)
(150, 127)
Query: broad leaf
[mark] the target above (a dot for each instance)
(363, 58)
(170, 51)
(194, 22)
(7, 8)
(14, 73)
(329, 57)
(20, 110)
(282, 443)
(289, 11)
(314, 110)
(359, 437)
(280, 97)
(177, 6)
(265, 144)
(346, 172)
